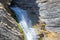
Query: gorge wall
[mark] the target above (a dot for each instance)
(48, 11)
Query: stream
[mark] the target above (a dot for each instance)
(25, 23)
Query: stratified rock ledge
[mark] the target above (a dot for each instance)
(8, 26)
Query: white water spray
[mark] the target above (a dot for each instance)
(25, 23)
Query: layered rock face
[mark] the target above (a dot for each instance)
(49, 11)
(8, 26)
(50, 14)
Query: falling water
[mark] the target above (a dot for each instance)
(25, 23)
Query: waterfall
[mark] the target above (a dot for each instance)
(25, 23)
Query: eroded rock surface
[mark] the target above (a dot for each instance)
(8, 26)
(50, 14)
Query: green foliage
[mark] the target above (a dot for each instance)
(21, 30)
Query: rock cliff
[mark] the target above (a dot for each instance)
(8, 26)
